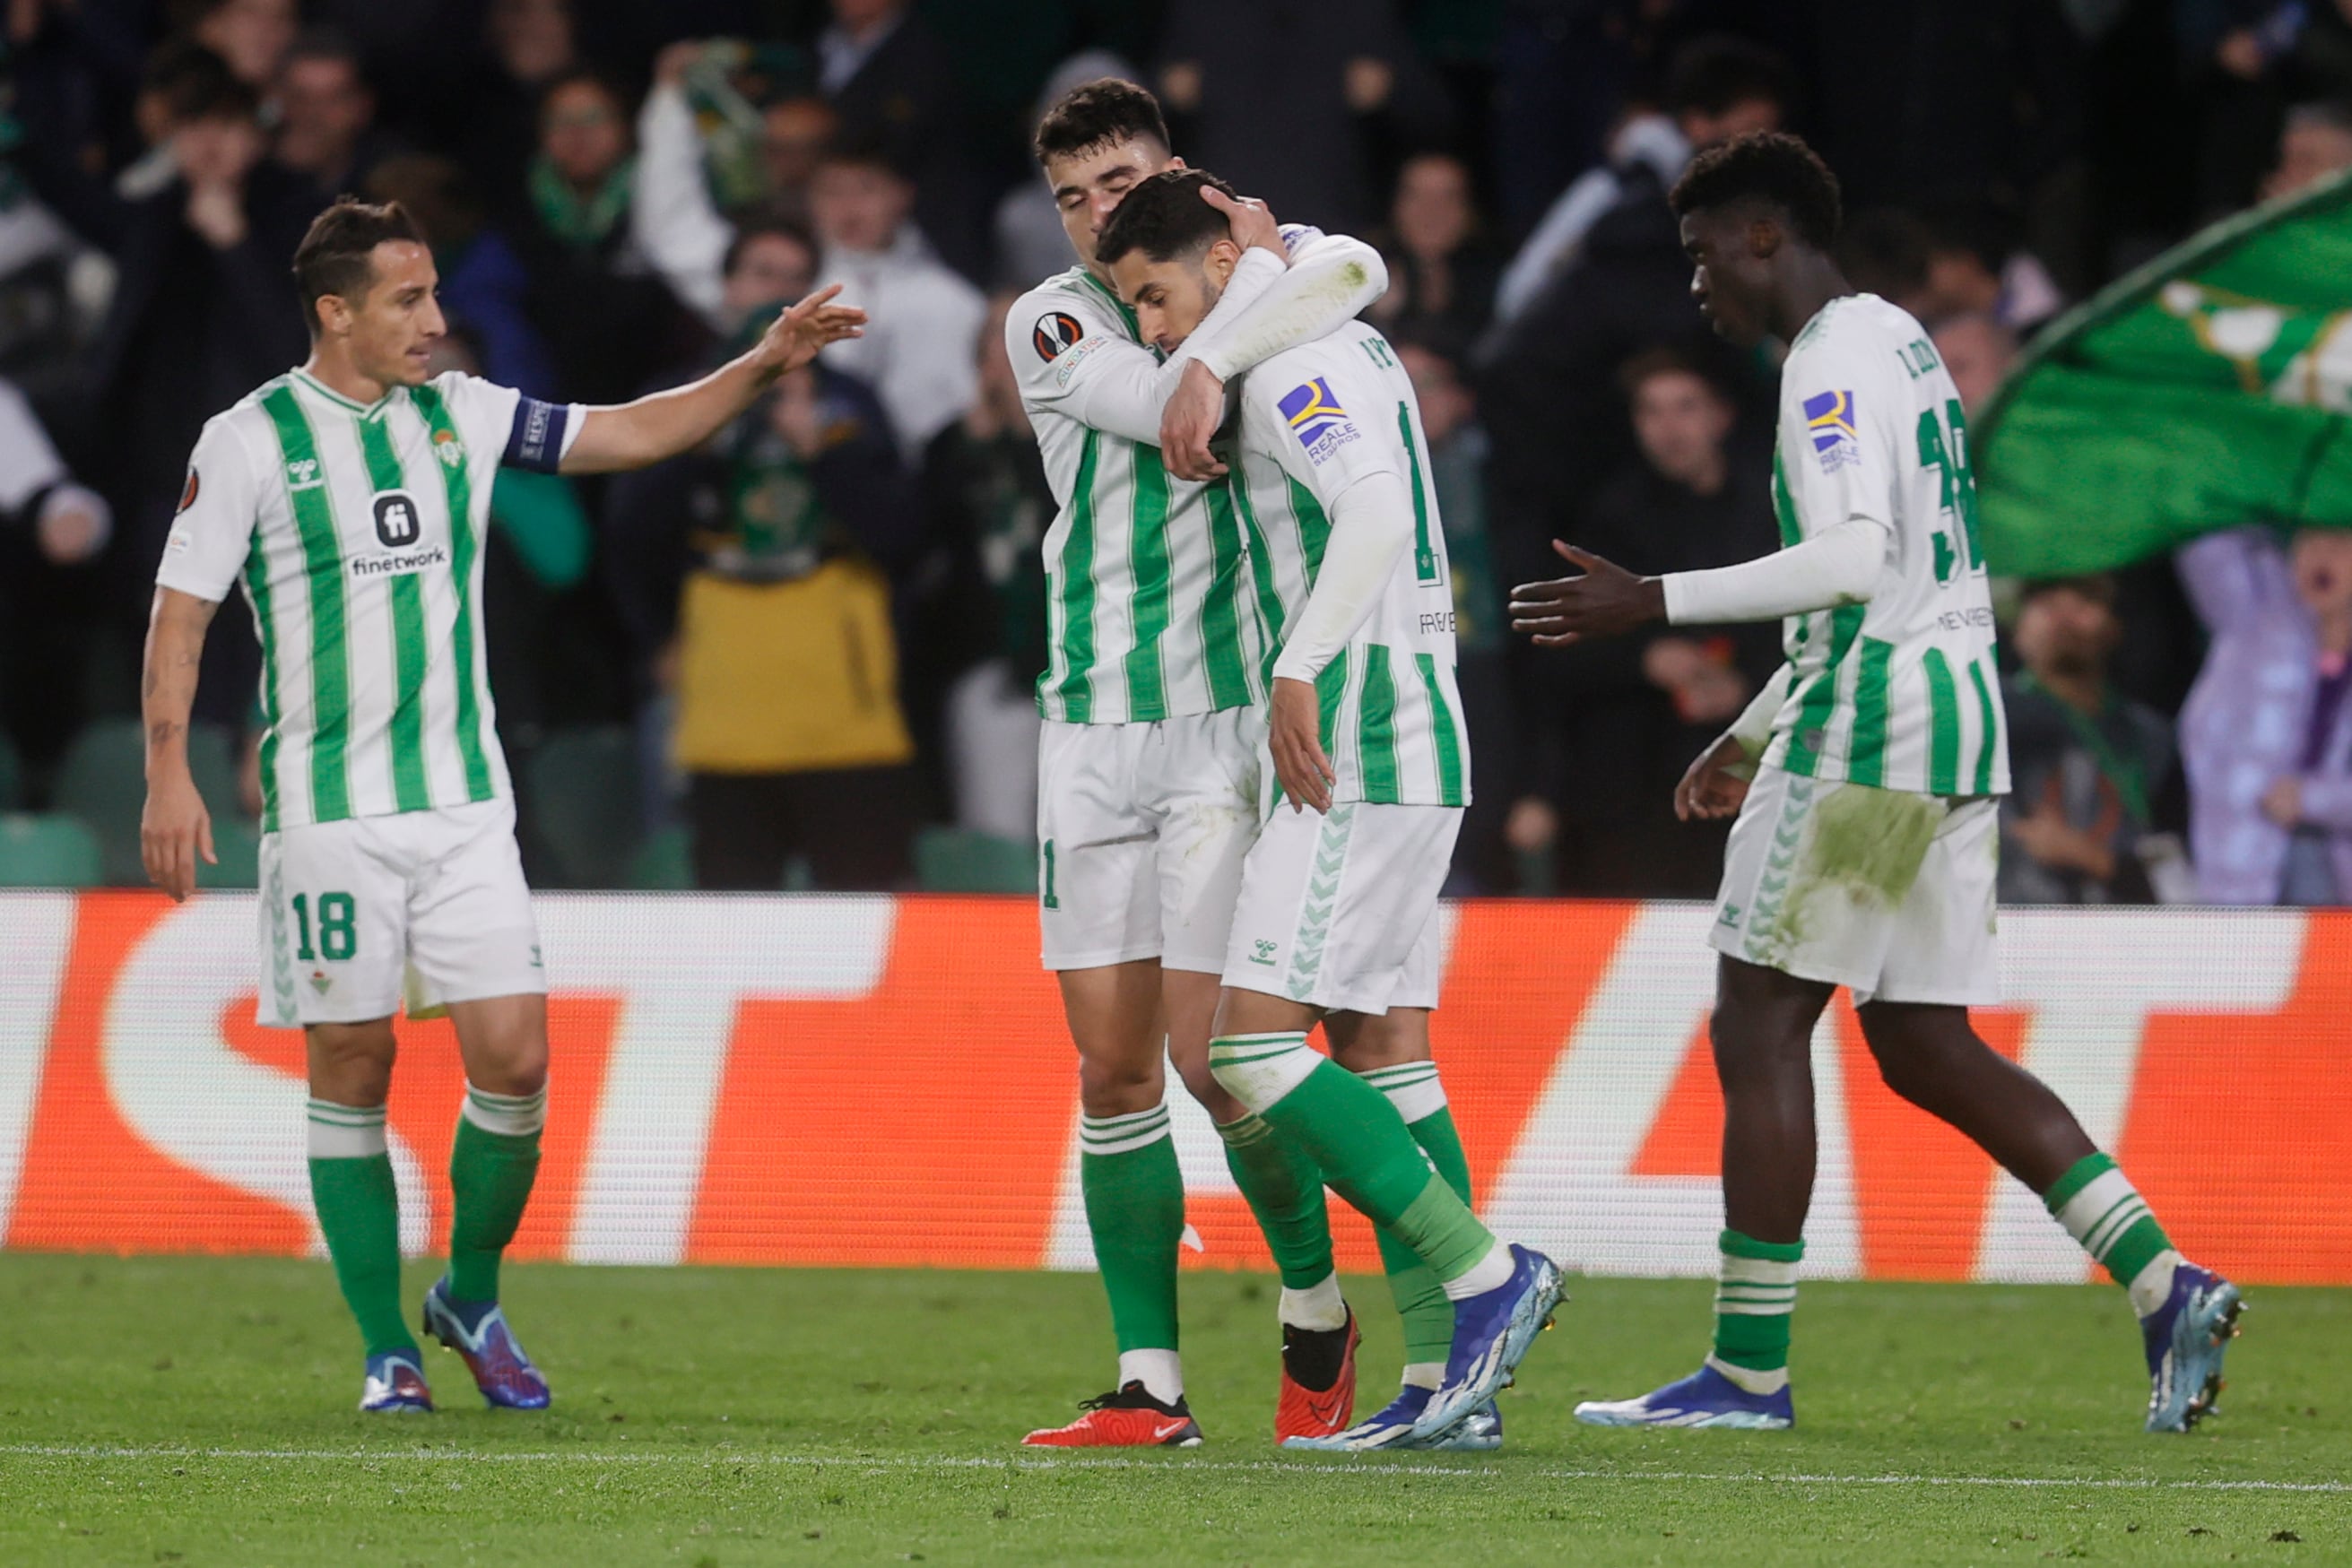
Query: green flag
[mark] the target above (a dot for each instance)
(2210, 389)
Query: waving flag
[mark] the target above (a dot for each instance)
(2210, 389)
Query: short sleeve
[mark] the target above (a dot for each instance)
(521, 432)
(1328, 423)
(1839, 430)
(219, 506)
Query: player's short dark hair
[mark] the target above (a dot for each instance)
(338, 255)
(1714, 74)
(1769, 166)
(1099, 113)
(763, 225)
(1164, 217)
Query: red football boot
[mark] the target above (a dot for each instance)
(1127, 1419)
(1304, 1411)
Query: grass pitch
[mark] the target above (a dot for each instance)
(198, 1411)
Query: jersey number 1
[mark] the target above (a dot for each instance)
(1944, 446)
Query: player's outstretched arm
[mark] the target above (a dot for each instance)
(174, 828)
(665, 424)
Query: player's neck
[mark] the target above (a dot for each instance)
(336, 373)
(1812, 280)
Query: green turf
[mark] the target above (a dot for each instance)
(714, 1416)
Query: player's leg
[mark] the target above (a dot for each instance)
(1329, 909)
(1391, 1051)
(474, 947)
(1790, 929)
(1201, 787)
(1942, 961)
(1100, 919)
(332, 945)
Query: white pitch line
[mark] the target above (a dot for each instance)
(712, 1459)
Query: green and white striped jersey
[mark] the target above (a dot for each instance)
(1147, 594)
(1900, 692)
(1315, 420)
(357, 534)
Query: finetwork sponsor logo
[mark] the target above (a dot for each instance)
(367, 565)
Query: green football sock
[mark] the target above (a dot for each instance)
(1135, 1212)
(359, 1215)
(2100, 1208)
(1414, 1089)
(1755, 1297)
(1285, 1190)
(492, 1164)
(1361, 1143)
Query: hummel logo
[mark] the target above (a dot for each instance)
(1262, 951)
(303, 474)
(1730, 916)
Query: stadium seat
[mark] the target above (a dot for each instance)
(103, 781)
(51, 850)
(956, 859)
(665, 862)
(583, 802)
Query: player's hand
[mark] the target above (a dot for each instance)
(1604, 601)
(1252, 222)
(1709, 790)
(1296, 738)
(1190, 422)
(2283, 802)
(795, 337)
(173, 830)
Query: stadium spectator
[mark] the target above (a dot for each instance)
(1441, 274)
(204, 311)
(326, 115)
(893, 84)
(50, 526)
(2315, 142)
(677, 216)
(2091, 770)
(251, 35)
(986, 494)
(2250, 59)
(491, 111)
(861, 204)
(1720, 88)
(1288, 99)
(1685, 502)
(1978, 350)
(2266, 735)
(607, 317)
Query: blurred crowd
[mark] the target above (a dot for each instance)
(804, 655)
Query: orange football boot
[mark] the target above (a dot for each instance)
(1304, 1411)
(1125, 1418)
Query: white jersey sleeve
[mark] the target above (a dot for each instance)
(1320, 424)
(219, 506)
(1074, 352)
(500, 426)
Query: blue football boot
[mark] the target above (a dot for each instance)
(394, 1382)
(1706, 1398)
(1390, 1431)
(477, 1332)
(2186, 1337)
(1493, 1332)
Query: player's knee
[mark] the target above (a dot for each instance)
(1118, 1083)
(1749, 1050)
(351, 1065)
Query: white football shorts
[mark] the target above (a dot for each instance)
(429, 907)
(1336, 907)
(1884, 892)
(1141, 832)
